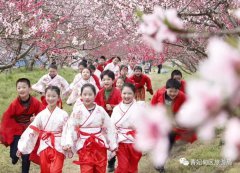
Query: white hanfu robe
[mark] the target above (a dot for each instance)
(47, 126)
(77, 79)
(46, 81)
(124, 117)
(97, 123)
(114, 68)
(76, 90)
(98, 74)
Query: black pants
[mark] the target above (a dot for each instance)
(25, 157)
(171, 138)
(111, 162)
(159, 69)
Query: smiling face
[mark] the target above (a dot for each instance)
(86, 74)
(172, 93)
(138, 72)
(23, 90)
(115, 61)
(88, 96)
(52, 98)
(52, 72)
(107, 82)
(127, 95)
(119, 83)
(124, 72)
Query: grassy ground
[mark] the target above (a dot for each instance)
(192, 152)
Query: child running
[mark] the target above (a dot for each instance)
(90, 132)
(140, 80)
(51, 79)
(124, 117)
(76, 92)
(16, 119)
(108, 97)
(47, 126)
(176, 74)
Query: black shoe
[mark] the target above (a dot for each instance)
(161, 169)
(111, 168)
(15, 160)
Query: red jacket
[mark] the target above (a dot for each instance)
(114, 99)
(100, 67)
(141, 81)
(181, 133)
(183, 86)
(159, 98)
(16, 113)
(97, 81)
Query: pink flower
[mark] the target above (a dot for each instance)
(206, 131)
(156, 27)
(203, 109)
(222, 67)
(204, 99)
(232, 140)
(153, 127)
(152, 42)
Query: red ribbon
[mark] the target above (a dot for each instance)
(45, 135)
(90, 140)
(132, 132)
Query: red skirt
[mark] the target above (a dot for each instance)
(128, 158)
(185, 135)
(92, 157)
(140, 94)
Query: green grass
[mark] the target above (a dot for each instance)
(197, 150)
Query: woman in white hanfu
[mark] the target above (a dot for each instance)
(124, 117)
(89, 131)
(76, 91)
(47, 126)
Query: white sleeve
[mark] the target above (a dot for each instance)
(64, 85)
(69, 134)
(111, 134)
(75, 80)
(39, 86)
(73, 96)
(29, 137)
(107, 67)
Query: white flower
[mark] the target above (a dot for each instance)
(75, 41)
(232, 140)
(11, 5)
